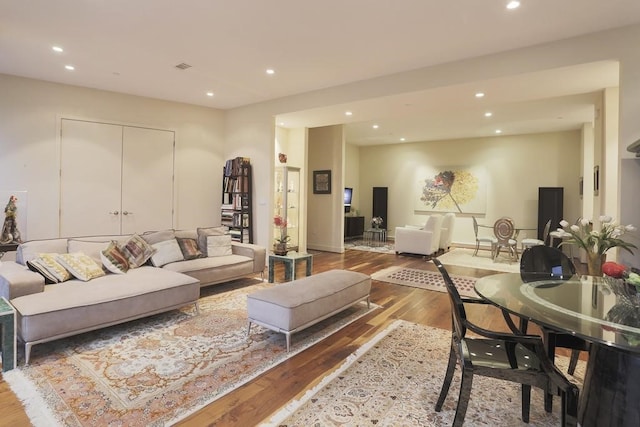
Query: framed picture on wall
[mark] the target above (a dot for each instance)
(322, 182)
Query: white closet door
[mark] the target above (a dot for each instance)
(90, 180)
(147, 180)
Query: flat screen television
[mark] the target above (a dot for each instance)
(348, 194)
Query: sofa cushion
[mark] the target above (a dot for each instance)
(81, 266)
(166, 251)
(29, 250)
(152, 237)
(189, 248)
(219, 245)
(137, 251)
(203, 233)
(114, 260)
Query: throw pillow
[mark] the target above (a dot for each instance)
(89, 247)
(219, 245)
(48, 262)
(189, 248)
(166, 252)
(137, 251)
(38, 266)
(81, 266)
(152, 237)
(203, 233)
(114, 260)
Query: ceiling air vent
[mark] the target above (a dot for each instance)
(183, 66)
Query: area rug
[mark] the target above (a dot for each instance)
(425, 279)
(157, 370)
(359, 245)
(395, 380)
(464, 258)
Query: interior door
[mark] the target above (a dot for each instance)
(147, 179)
(90, 179)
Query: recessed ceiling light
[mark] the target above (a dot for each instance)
(479, 94)
(375, 126)
(57, 49)
(488, 114)
(498, 131)
(513, 5)
(281, 123)
(209, 93)
(402, 139)
(70, 67)
(271, 71)
(348, 113)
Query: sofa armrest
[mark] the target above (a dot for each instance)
(17, 280)
(255, 252)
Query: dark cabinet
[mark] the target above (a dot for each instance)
(353, 226)
(550, 207)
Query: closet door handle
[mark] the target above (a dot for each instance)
(114, 213)
(127, 213)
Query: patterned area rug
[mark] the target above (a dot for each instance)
(425, 279)
(157, 370)
(360, 245)
(464, 258)
(395, 380)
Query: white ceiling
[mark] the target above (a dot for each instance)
(133, 47)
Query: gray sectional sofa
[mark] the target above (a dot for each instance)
(169, 279)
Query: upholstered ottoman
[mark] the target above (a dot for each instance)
(294, 306)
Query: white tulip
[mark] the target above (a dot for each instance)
(563, 223)
(575, 228)
(630, 228)
(584, 222)
(606, 219)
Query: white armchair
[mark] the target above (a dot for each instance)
(446, 230)
(419, 241)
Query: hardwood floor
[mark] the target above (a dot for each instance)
(255, 401)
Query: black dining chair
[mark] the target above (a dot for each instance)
(544, 263)
(516, 358)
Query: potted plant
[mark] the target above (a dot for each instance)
(597, 242)
(280, 247)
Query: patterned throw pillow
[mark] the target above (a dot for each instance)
(189, 248)
(82, 266)
(114, 260)
(38, 266)
(219, 245)
(166, 252)
(137, 251)
(47, 265)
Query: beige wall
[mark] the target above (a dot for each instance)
(515, 167)
(30, 111)
(325, 214)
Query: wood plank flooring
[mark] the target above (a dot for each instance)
(252, 403)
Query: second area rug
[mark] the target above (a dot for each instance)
(395, 380)
(157, 370)
(425, 279)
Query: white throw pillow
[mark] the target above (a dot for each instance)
(81, 266)
(219, 245)
(166, 252)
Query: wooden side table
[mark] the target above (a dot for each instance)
(8, 336)
(290, 260)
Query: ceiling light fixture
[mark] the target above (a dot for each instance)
(271, 71)
(479, 94)
(403, 139)
(375, 126)
(488, 114)
(498, 131)
(209, 93)
(513, 5)
(70, 67)
(57, 49)
(348, 113)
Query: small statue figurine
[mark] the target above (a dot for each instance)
(10, 232)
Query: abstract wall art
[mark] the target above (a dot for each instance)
(461, 189)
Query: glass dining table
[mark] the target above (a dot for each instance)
(604, 312)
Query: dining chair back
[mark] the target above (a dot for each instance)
(505, 230)
(516, 358)
(545, 263)
(529, 242)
